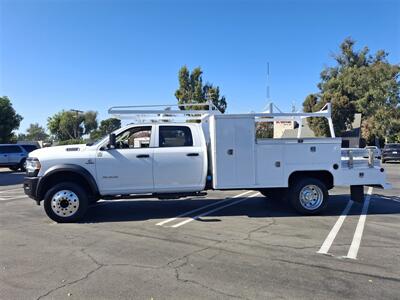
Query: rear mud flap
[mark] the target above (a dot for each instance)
(357, 193)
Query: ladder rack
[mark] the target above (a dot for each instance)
(163, 109)
(165, 113)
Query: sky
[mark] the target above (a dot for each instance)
(94, 54)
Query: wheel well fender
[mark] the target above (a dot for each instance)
(70, 173)
(325, 176)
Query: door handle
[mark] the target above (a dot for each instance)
(142, 155)
(192, 154)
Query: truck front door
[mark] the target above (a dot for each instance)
(128, 168)
(179, 160)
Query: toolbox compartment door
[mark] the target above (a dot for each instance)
(232, 146)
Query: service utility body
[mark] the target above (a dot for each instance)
(173, 153)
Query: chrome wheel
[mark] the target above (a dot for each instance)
(311, 197)
(65, 203)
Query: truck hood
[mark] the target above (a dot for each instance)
(58, 149)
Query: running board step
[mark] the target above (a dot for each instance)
(155, 195)
(178, 195)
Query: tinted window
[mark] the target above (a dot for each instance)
(392, 146)
(136, 137)
(175, 136)
(10, 149)
(29, 148)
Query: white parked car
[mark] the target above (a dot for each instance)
(172, 160)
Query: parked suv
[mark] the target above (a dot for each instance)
(391, 152)
(14, 156)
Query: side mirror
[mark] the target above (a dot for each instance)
(111, 142)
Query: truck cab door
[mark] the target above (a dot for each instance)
(127, 168)
(179, 159)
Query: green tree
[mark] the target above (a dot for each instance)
(264, 130)
(35, 132)
(9, 120)
(106, 127)
(192, 90)
(69, 125)
(359, 82)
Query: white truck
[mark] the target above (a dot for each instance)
(163, 157)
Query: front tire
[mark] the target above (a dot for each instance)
(66, 203)
(308, 196)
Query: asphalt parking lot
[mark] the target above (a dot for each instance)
(225, 245)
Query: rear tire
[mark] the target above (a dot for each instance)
(308, 196)
(66, 202)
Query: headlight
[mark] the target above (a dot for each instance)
(32, 166)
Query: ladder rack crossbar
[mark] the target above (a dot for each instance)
(165, 109)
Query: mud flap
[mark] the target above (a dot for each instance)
(357, 193)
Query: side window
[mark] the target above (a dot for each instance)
(175, 136)
(136, 137)
(11, 149)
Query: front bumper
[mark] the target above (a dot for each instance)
(31, 188)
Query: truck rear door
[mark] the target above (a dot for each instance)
(179, 159)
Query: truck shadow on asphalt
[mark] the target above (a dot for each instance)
(11, 178)
(257, 207)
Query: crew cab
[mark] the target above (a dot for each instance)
(167, 159)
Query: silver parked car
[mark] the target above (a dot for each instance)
(14, 156)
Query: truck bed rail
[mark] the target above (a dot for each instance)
(358, 158)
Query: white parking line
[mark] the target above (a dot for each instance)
(214, 210)
(200, 208)
(11, 190)
(355, 244)
(11, 197)
(335, 229)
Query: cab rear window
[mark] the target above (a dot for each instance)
(175, 136)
